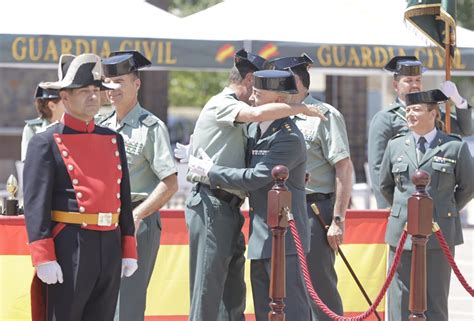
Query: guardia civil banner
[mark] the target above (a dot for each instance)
(168, 292)
(433, 18)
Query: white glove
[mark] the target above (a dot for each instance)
(182, 152)
(129, 266)
(450, 90)
(49, 272)
(200, 166)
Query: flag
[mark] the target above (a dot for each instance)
(168, 292)
(432, 18)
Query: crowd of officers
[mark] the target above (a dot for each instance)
(94, 184)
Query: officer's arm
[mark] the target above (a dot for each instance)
(127, 228)
(282, 152)
(269, 111)
(464, 120)
(380, 132)
(464, 177)
(38, 181)
(387, 182)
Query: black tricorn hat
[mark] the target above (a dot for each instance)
(245, 58)
(291, 62)
(425, 97)
(124, 62)
(275, 80)
(64, 63)
(84, 70)
(46, 93)
(405, 66)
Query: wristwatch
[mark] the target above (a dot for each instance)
(338, 219)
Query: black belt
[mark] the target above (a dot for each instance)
(225, 196)
(318, 197)
(135, 204)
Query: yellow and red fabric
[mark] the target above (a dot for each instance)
(168, 294)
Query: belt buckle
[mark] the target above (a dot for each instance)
(104, 219)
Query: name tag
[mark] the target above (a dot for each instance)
(256, 152)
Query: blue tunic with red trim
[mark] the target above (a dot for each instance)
(75, 166)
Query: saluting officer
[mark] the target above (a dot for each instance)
(271, 143)
(153, 176)
(77, 205)
(392, 121)
(448, 160)
(217, 284)
(329, 186)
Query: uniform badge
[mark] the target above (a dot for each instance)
(133, 147)
(443, 160)
(260, 152)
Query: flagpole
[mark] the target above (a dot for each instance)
(447, 45)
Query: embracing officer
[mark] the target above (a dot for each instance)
(329, 186)
(152, 169)
(448, 160)
(77, 205)
(407, 78)
(270, 143)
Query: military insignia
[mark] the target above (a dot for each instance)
(256, 152)
(443, 160)
(133, 147)
(149, 120)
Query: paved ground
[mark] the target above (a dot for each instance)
(461, 304)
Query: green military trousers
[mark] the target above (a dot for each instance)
(216, 258)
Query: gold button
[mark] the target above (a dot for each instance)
(117, 153)
(119, 181)
(65, 153)
(449, 214)
(59, 140)
(75, 181)
(119, 167)
(82, 209)
(70, 167)
(118, 195)
(79, 195)
(114, 140)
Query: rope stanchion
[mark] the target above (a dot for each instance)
(449, 257)
(314, 296)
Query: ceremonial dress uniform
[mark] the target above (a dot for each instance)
(281, 144)
(448, 161)
(326, 144)
(72, 170)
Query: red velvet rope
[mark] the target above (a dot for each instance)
(314, 295)
(449, 257)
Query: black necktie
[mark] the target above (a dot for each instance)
(421, 145)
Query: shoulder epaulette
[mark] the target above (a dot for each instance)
(399, 135)
(458, 137)
(149, 120)
(34, 122)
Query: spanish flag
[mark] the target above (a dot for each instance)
(224, 52)
(268, 51)
(168, 293)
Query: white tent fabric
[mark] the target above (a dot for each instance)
(374, 22)
(107, 18)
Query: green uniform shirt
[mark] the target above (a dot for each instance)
(326, 144)
(32, 127)
(219, 135)
(148, 149)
